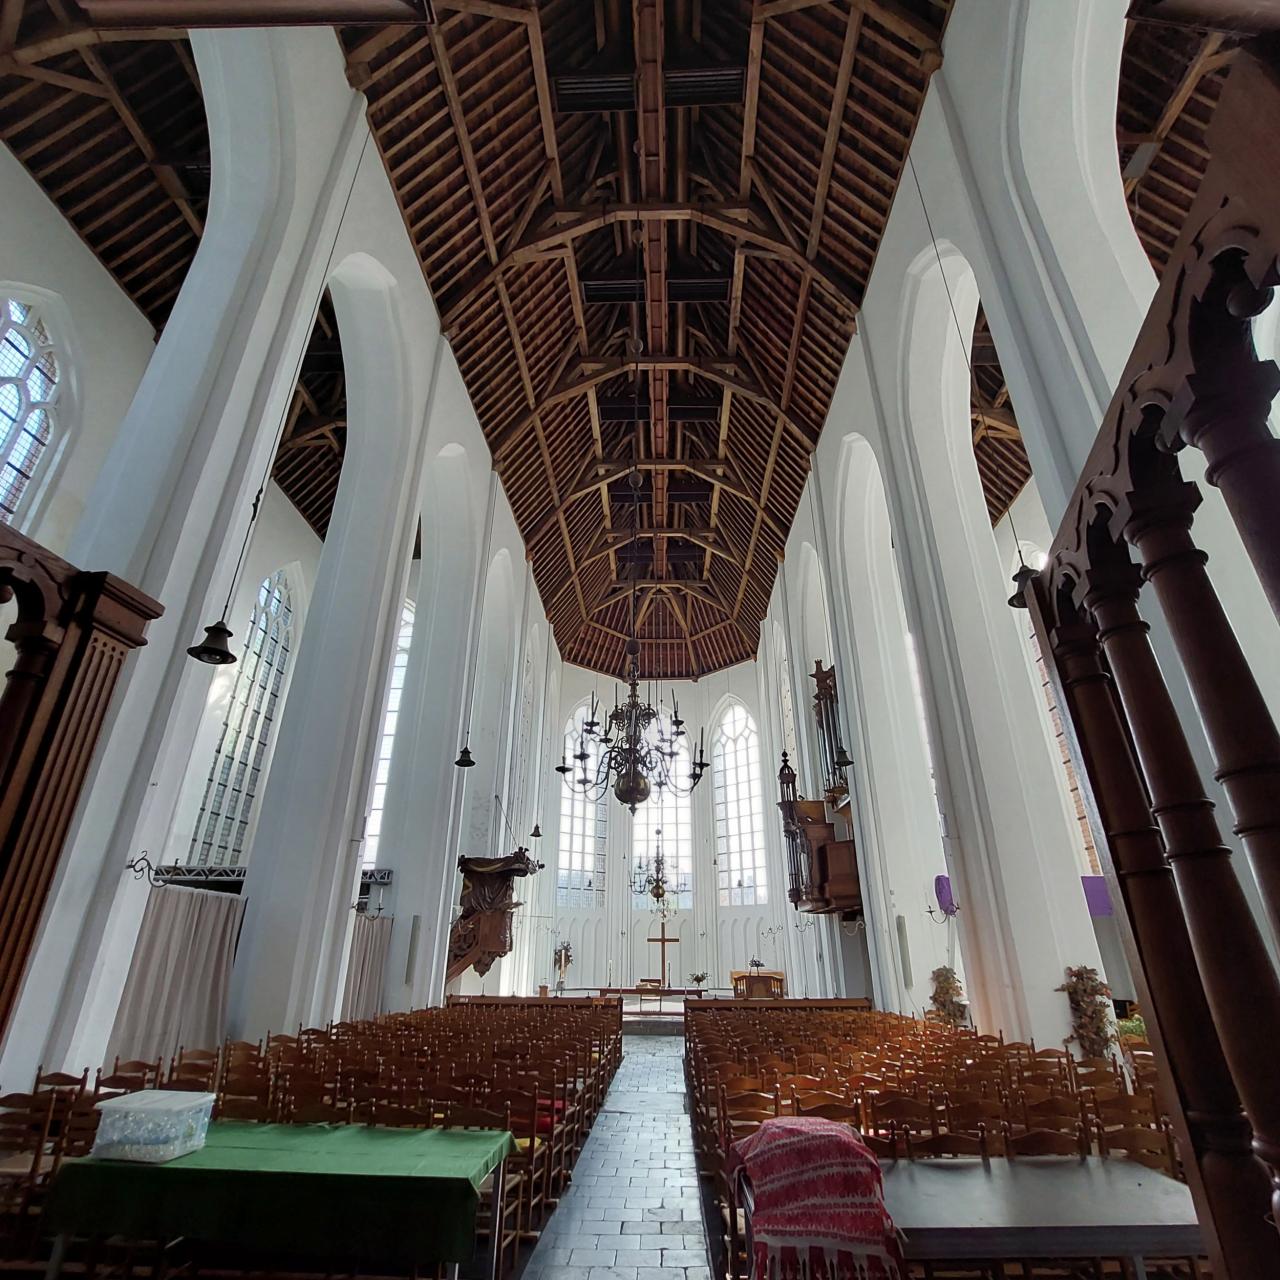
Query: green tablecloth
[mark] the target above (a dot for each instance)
(345, 1191)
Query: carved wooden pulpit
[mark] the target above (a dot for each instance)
(482, 932)
(72, 635)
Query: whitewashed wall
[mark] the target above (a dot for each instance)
(610, 942)
(299, 198)
(104, 340)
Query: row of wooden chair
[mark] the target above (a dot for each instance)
(912, 1089)
(539, 1071)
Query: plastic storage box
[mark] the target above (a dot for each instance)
(152, 1125)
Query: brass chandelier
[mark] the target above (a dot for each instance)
(633, 753)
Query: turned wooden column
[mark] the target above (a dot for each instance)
(1229, 426)
(1232, 1183)
(1241, 733)
(1240, 983)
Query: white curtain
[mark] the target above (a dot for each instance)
(366, 970)
(176, 993)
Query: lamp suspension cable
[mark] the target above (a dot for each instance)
(1024, 572)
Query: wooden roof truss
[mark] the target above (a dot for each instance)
(710, 179)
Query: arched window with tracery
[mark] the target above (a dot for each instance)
(29, 377)
(584, 827)
(220, 837)
(667, 812)
(387, 740)
(739, 810)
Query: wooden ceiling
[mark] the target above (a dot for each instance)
(112, 127)
(714, 177)
(763, 143)
(1170, 79)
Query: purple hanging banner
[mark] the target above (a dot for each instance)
(1097, 895)
(946, 899)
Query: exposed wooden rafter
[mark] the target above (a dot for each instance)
(630, 199)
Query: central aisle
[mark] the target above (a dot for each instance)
(632, 1211)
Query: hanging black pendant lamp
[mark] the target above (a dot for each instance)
(464, 760)
(536, 833)
(214, 649)
(1024, 575)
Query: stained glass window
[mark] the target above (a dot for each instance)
(219, 839)
(390, 720)
(739, 812)
(28, 399)
(671, 813)
(584, 829)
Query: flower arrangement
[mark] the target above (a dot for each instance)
(697, 979)
(1093, 1027)
(948, 996)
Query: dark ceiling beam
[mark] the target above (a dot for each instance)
(619, 591)
(255, 13)
(1238, 16)
(739, 221)
(74, 37)
(716, 472)
(888, 13)
(616, 539)
(589, 372)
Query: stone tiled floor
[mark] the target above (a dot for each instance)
(632, 1212)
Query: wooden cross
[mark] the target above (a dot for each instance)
(663, 943)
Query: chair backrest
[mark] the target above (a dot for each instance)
(1046, 1142)
(1150, 1147)
(839, 1109)
(396, 1117)
(925, 1146)
(61, 1081)
(468, 1117)
(25, 1120)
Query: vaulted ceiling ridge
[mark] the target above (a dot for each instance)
(720, 276)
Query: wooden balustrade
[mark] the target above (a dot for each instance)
(1193, 380)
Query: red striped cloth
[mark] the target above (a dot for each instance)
(819, 1203)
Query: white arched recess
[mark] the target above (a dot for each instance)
(304, 867)
(424, 788)
(170, 503)
(1024, 915)
(835, 963)
(904, 849)
(484, 833)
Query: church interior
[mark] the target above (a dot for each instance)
(640, 639)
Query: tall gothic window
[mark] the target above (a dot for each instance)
(735, 772)
(220, 836)
(672, 815)
(584, 828)
(390, 720)
(28, 399)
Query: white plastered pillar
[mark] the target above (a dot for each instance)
(301, 882)
(172, 500)
(1023, 914)
(422, 794)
